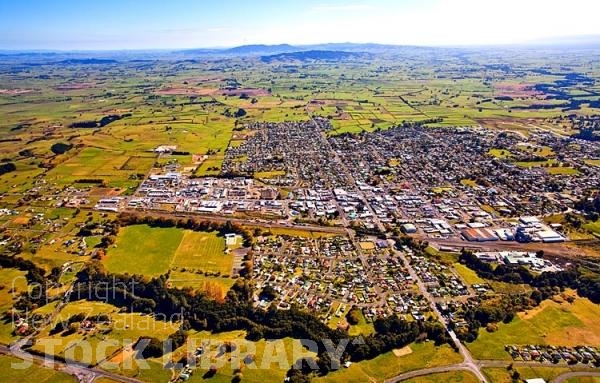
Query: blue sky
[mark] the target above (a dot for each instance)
(159, 24)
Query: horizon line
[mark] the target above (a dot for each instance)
(558, 42)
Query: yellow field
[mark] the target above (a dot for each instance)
(560, 324)
(204, 251)
(388, 365)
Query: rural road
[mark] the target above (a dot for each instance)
(82, 373)
(576, 374)
(429, 371)
(464, 366)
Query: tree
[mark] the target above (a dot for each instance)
(7, 168)
(154, 348)
(268, 293)
(60, 148)
(353, 316)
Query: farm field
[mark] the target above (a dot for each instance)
(397, 135)
(107, 339)
(32, 374)
(13, 283)
(111, 167)
(565, 324)
(450, 377)
(194, 259)
(416, 356)
(502, 375)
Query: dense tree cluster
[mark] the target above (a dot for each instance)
(89, 124)
(7, 167)
(584, 280)
(60, 148)
(590, 206)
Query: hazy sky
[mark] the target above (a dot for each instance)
(147, 24)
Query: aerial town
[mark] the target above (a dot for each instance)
(235, 192)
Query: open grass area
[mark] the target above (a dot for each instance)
(552, 323)
(531, 164)
(584, 379)
(272, 174)
(204, 251)
(140, 249)
(509, 288)
(362, 327)
(166, 248)
(563, 170)
(446, 377)
(34, 373)
(422, 355)
(106, 340)
(105, 380)
(299, 232)
(469, 276)
(195, 259)
(594, 227)
(468, 182)
(259, 362)
(12, 283)
(502, 375)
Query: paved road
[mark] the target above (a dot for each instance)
(464, 366)
(429, 371)
(576, 374)
(82, 373)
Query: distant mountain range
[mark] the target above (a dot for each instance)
(314, 55)
(261, 49)
(287, 52)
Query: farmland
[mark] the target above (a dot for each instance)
(450, 377)
(33, 373)
(286, 198)
(564, 323)
(168, 249)
(416, 356)
(105, 340)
